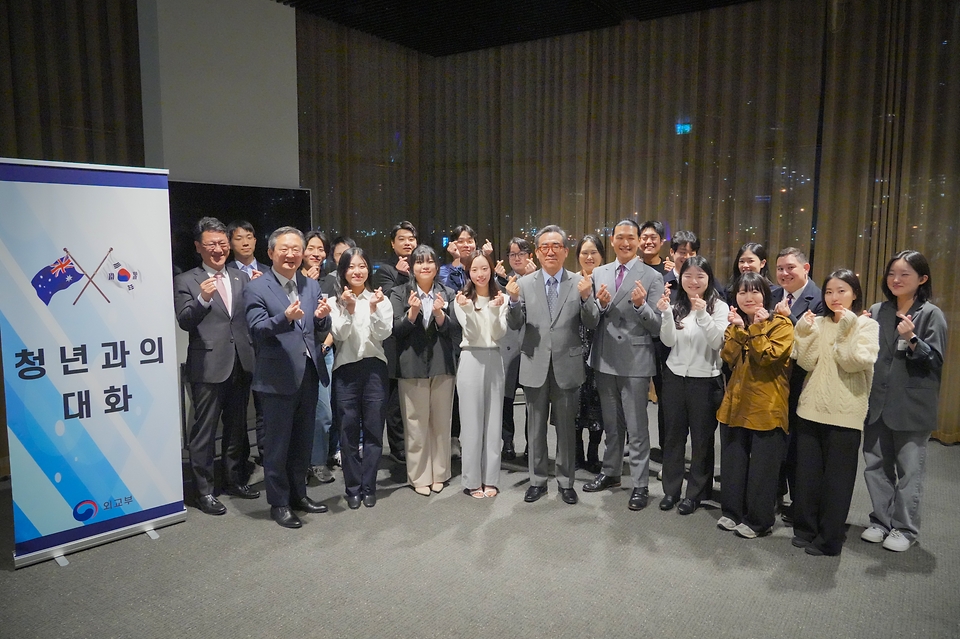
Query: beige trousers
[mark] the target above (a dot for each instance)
(427, 409)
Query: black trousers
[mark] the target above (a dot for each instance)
(360, 391)
(692, 409)
(394, 418)
(288, 434)
(827, 458)
(212, 403)
(749, 469)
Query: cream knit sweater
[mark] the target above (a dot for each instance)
(840, 357)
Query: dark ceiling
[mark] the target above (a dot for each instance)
(445, 27)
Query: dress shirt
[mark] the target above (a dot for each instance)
(426, 306)
(248, 268)
(695, 350)
(226, 282)
(360, 335)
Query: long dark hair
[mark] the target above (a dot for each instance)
(918, 263)
(761, 253)
(751, 281)
(682, 308)
(850, 278)
(344, 264)
(469, 288)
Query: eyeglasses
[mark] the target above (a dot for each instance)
(514, 256)
(551, 247)
(289, 251)
(214, 245)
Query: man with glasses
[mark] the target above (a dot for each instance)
(550, 305)
(209, 305)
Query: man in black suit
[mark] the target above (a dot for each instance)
(288, 321)
(797, 295)
(209, 305)
(403, 239)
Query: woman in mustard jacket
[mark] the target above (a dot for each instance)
(753, 415)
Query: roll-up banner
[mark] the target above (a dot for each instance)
(89, 357)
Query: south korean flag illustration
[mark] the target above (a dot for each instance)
(121, 274)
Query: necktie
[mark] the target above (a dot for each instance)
(222, 291)
(789, 300)
(552, 295)
(291, 288)
(621, 271)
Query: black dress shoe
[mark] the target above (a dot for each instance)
(370, 500)
(568, 495)
(242, 491)
(668, 502)
(799, 542)
(534, 493)
(602, 482)
(353, 502)
(307, 505)
(687, 506)
(508, 453)
(211, 505)
(638, 499)
(285, 517)
(398, 456)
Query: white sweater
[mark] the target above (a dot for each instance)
(360, 335)
(840, 357)
(484, 327)
(695, 350)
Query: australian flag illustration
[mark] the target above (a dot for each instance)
(54, 278)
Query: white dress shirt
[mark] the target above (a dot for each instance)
(361, 334)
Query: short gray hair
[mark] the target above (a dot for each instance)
(549, 228)
(284, 230)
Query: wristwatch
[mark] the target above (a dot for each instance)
(914, 340)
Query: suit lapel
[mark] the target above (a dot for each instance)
(563, 290)
(629, 277)
(236, 290)
(217, 300)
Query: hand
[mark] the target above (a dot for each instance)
(462, 299)
(255, 274)
(529, 267)
(498, 300)
(314, 272)
(452, 250)
(809, 317)
(697, 303)
(604, 296)
(664, 302)
(905, 326)
(838, 314)
(761, 315)
(513, 289)
(668, 265)
(782, 308)
(323, 308)
(414, 302)
(207, 288)
(294, 312)
(865, 313)
(487, 248)
(733, 317)
(349, 300)
(499, 270)
(376, 299)
(585, 286)
(438, 303)
(638, 294)
(403, 266)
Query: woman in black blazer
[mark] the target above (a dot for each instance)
(426, 333)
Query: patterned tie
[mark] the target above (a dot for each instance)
(621, 271)
(552, 295)
(789, 300)
(222, 291)
(291, 288)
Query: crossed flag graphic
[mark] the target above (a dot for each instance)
(63, 274)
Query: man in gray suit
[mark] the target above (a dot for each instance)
(624, 357)
(550, 305)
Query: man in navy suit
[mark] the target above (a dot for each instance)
(288, 321)
(798, 295)
(209, 305)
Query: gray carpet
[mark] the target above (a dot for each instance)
(452, 566)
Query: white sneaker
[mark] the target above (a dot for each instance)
(726, 523)
(897, 541)
(873, 534)
(745, 531)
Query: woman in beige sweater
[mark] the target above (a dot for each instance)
(838, 349)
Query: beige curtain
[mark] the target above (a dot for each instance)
(736, 123)
(70, 81)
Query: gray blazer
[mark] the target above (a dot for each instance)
(547, 341)
(623, 344)
(906, 383)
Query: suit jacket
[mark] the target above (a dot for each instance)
(555, 341)
(217, 338)
(808, 298)
(623, 343)
(906, 383)
(424, 352)
(281, 345)
(388, 278)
